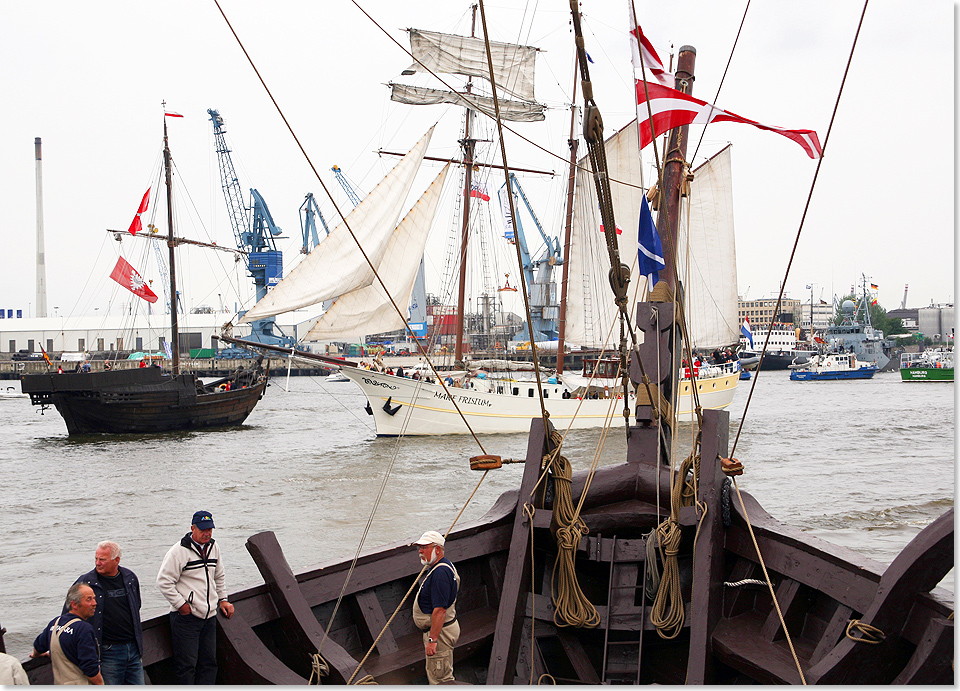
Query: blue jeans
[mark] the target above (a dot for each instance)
(120, 664)
(194, 642)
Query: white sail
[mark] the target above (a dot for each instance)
(513, 65)
(368, 310)
(517, 111)
(706, 255)
(591, 312)
(336, 265)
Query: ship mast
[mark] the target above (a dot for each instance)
(469, 145)
(574, 143)
(171, 245)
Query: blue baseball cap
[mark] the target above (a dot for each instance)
(203, 520)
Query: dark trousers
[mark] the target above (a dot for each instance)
(194, 644)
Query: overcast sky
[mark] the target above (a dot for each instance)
(89, 79)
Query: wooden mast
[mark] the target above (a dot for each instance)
(574, 143)
(468, 149)
(171, 245)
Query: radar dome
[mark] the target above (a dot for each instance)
(848, 307)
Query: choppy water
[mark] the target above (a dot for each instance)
(865, 464)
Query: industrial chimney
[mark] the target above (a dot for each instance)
(41, 255)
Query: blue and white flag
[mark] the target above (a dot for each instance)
(650, 252)
(745, 330)
(167, 349)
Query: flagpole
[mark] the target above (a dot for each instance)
(171, 245)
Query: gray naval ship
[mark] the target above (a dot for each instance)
(856, 334)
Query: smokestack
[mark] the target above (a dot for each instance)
(41, 255)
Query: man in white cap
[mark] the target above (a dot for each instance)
(434, 608)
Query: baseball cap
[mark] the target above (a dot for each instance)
(431, 537)
(203, 520)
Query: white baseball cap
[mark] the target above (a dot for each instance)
(431, 537)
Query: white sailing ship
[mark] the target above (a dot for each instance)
(447, 402)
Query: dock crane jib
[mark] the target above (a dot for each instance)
(538, 273)
(254, 231)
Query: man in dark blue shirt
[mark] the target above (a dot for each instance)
(116, 622)
(70, 642)
(434, 608)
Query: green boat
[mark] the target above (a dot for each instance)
(930, 365)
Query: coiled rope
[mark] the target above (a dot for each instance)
(667, 611)
(571, 606)
(868, 634)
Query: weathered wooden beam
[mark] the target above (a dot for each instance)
(374, 619)
(933, 660)
(917, 569)
(832, 633)
(706, 597)
(579, 660)
(244, 659)
(298, 619)
(786, 593)
(503, 655)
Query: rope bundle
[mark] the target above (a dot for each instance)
(571, 606)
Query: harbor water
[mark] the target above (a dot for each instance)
(865, 464)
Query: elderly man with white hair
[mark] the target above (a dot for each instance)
(116, 622)
(434, 608)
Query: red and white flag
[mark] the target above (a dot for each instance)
(171, 114)
(478, 190)
(644, 55)
(124, 274)
(135, 225)
(672, 108)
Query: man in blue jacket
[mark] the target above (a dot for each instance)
(116, 622)
(70, 642)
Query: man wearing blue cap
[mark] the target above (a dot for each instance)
(191, 578)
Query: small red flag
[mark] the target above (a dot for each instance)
(171, 114)
(145, 202)
(124, 274)
(135, 224)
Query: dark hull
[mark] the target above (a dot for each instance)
(779, 360)
(144, 400)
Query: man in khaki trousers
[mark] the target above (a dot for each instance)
(434, 608)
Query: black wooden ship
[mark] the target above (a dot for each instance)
(146, 399)
(641, 572)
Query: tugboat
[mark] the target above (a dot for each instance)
(831, 367)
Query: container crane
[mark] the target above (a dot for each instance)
(254, 232)
(544, 307)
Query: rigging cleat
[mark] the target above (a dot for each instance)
(368, 408)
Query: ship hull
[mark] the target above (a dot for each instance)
(142, 400)
(862, 373)
(926, 374)
(410, 407)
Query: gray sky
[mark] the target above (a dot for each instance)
(89, 78)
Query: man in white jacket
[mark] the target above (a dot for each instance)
(191, 578)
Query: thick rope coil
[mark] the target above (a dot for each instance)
(667, 611)
(868, 634)
(571, 606)
(367, 680)
(318, 668)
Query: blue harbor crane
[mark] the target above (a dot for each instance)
(254, 232)
(309, 213)
(538, 273)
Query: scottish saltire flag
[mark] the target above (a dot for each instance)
(650, 251)
(745, 330)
